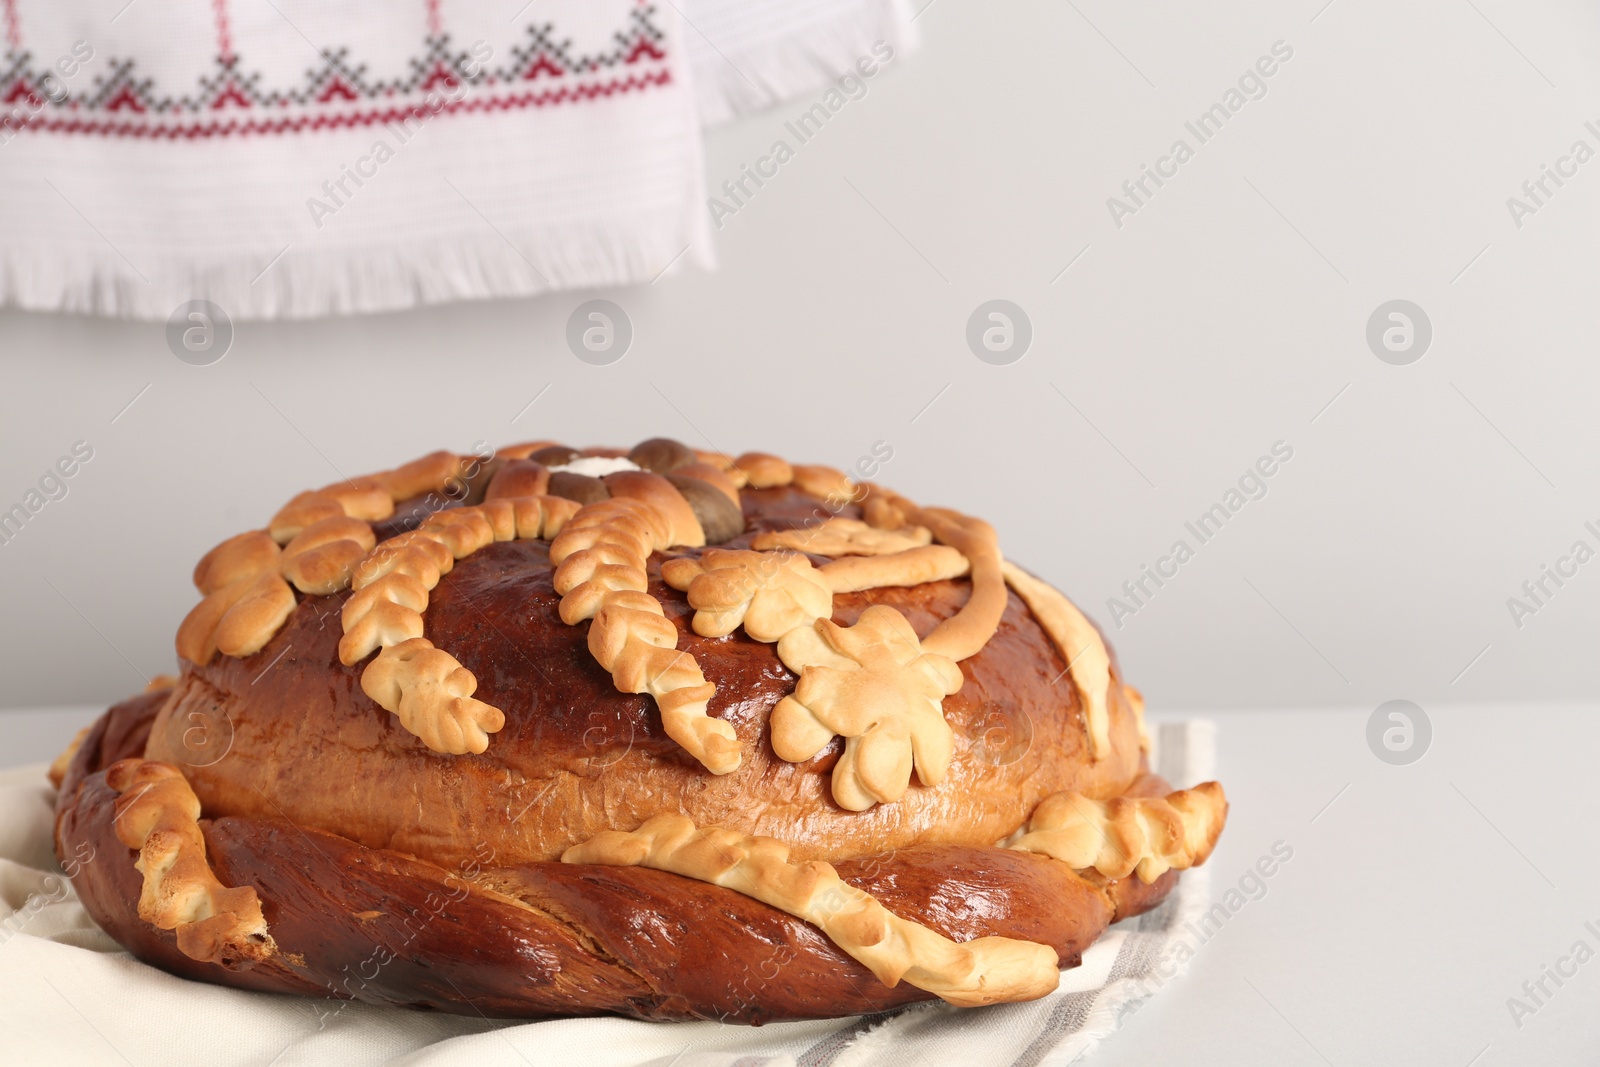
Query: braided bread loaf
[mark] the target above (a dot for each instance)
(656, 732)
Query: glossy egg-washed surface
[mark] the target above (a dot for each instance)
(560, 939)
(288, 734)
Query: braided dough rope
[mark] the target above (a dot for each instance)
(986, 970)
(632, 638)
(158, 815)
(245, 599)
(425, 686)
(601, 557)
(1118, 837)
(1081, 646)
(607, 543)
(57, 771)
(431, 693)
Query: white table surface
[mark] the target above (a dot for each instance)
(1417, 901)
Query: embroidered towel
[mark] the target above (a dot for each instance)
(308, 157)
(291, 158)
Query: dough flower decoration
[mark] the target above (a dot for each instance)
(873, 685)
(768, 593)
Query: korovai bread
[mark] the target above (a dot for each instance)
(656, 731)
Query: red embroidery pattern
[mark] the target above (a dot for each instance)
(224, 42)
(232, 100)
(13, 32)
(302, 123)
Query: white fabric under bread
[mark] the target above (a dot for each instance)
(71, 990)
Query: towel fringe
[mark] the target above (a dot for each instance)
(307, 283)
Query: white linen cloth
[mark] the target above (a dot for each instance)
(72, 995)
(292, 158)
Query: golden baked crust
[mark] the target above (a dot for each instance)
(1085, 651)
(768, 593)
(981, 971)
(1126, 835)
(797, 699)
(157, 815)
(873, 685)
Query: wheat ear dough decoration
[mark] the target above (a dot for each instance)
(245, 599)
(325, 533)
(986, 970)
(157, 815)
(426, 687)
(1125, 835)
(601, 559)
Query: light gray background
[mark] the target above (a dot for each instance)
(1223, 317)
(1226, 315)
